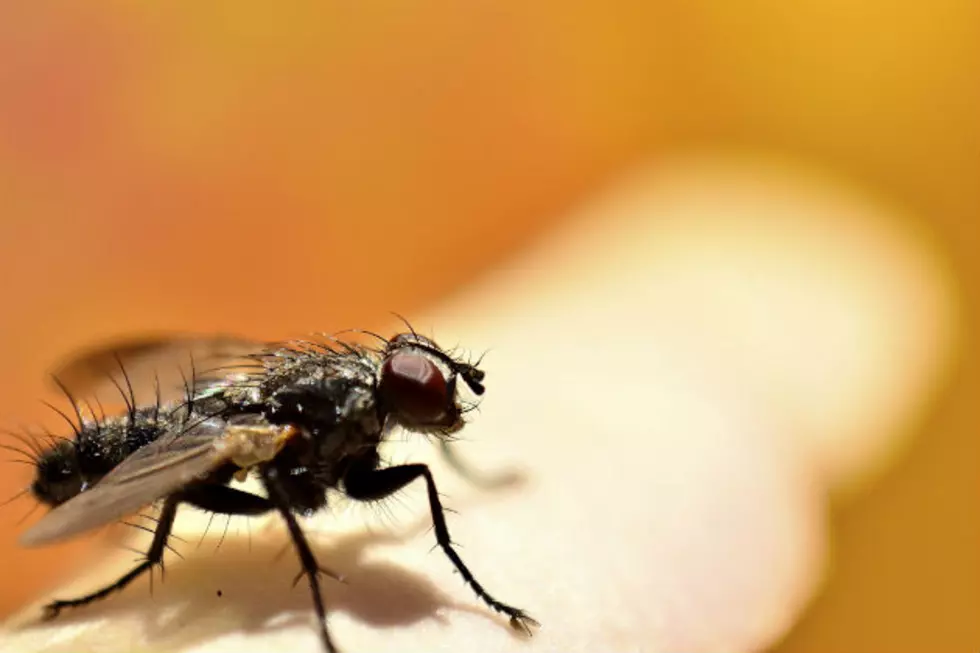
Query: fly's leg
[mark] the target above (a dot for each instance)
(364, 481)
(466, 471)
(153, 557)
(280, 498)
(226, 500)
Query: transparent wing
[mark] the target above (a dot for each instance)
(130, 370)
(151, 473)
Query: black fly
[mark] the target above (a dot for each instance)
(303, 417)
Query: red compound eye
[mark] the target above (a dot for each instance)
(413, 386)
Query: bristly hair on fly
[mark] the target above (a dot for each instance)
(99, 441)
(323, 355)
(304, 417)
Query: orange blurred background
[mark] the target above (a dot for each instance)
(341, 160)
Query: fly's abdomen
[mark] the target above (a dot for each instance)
(105, 443)
(99, 444)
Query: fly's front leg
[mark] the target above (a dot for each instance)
(364, 481)
(477, 478)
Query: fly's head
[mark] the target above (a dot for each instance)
(418, 385)
(57, 477)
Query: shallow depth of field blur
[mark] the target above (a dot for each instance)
(269, 170)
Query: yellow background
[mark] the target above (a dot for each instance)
(320, 165)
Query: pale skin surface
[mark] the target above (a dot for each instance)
(680, 381)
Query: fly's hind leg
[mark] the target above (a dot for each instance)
(214, 498)
(153, 557)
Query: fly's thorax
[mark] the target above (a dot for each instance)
(360, 409)
(312, 402)
(236, 393)
(360, 426)
(337, 417)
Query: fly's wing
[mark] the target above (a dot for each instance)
(141, 369)
(149, 474)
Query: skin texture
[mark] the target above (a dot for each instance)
(678, 381)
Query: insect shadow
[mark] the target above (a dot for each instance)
(257, 596)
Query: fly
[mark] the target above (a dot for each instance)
(303, 417)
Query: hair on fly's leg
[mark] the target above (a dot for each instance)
(153, 557)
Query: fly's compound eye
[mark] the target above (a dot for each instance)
(414, 387)
(471, 375)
